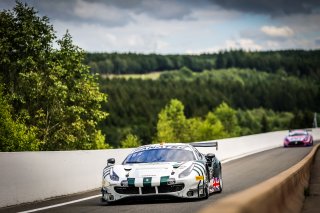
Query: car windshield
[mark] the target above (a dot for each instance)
(160, 155)
(297, 133)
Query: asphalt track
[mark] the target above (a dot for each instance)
(238, 175)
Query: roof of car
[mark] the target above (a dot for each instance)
(298, 130)
(163, 146)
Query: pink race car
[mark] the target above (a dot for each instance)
(298, 138)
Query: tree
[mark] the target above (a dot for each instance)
(25, 44)
(208, 129)
(15, 136)
(265, 124)
(52, 87)
(171, 126)
(130, 141)
(228, 117)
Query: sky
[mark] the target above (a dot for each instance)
(183, 26)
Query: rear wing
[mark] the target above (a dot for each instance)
(205, 144)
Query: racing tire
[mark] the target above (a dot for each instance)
(206, 192)
(104, 202)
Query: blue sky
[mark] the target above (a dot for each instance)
(183, 26)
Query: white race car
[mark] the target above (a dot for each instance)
(167, 169)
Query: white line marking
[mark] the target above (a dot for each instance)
(61, 204)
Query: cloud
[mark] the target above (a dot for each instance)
(97, 12)
(271, 7)
(277, 31)
(111, 13)
(182, 26)
(243, 43)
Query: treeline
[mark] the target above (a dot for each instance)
(132, 63)
(257, 97)
(295, 62)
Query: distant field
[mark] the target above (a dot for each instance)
(153, 76)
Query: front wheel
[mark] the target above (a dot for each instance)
(206, 190)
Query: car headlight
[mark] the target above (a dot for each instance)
(114, 176)
(186, 172)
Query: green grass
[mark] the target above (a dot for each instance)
(152, 76)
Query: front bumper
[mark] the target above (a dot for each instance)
(181, 190)
(297, 143)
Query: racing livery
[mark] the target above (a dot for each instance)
(298, 138)
(166, 169)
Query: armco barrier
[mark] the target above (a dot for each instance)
(280, 194)
(34, 176)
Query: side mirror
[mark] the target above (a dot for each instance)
(210, 156)
(111, 161)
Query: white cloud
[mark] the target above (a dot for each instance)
(273, 31)
(245, 44)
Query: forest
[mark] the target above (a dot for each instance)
(257, 101)
(293, 62)
(268, 90)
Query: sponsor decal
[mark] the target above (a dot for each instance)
(106, 171)
(164, 180)
(216, 183)
(199, 178)
(165, 146)
(147, 181)
(131, 181)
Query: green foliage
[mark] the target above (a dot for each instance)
(222, 122)
(292, 62)
(51, 88)
(130, 141)
(133, 63)
(228, 118)
(302, 119)
(208, 129)
(262, 120)
(25, 43)
(135, 104)
(171, 124)
(15, 136)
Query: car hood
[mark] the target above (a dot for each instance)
(141, 170)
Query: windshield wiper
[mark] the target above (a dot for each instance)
(134, 162)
